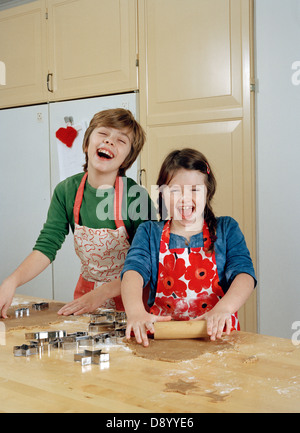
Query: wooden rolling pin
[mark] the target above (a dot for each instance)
(175, 330)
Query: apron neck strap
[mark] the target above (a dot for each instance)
(78, 199)
(165, 237)
(118, 198)
(119, 187)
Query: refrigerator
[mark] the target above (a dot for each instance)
(33, 161)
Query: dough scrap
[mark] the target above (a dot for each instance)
(178, 350)
(181, 386)
(250, 360)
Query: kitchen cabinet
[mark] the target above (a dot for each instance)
(195, 64)
(22, 49)
(92, 47)
(57, 50)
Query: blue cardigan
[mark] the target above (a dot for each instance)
(232, 254)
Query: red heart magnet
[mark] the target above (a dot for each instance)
(66, 135)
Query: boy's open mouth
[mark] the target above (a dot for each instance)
(105, 154)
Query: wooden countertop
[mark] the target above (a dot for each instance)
(262, 374)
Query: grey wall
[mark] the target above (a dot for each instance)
(277, 52)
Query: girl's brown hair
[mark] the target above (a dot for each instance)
(190, 159)
(117, 118)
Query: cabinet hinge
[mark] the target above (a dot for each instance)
(46, 14)
(137, 63)
(253, 85)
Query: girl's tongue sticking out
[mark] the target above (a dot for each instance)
(186, 211)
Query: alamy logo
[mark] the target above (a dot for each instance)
(296, 334)
(178, 200)
(2, 73)
(296, 74)
(2, 334)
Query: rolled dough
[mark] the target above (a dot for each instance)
(35, 318)
(178, 350)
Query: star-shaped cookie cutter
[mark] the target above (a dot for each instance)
(25, 350)
(41, 306)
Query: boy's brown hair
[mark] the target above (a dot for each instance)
(117, 118)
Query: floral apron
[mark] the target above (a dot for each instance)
(188, 282)
(102, 252)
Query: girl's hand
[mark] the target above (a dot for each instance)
(216, 323)
(141, 323)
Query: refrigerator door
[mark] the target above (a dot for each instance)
(24, 190)
(66, 161)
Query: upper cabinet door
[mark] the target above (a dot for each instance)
(22, 49)
(194, 59)
(92, 47)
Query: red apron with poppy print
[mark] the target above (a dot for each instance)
(102, 252)
(188, 282)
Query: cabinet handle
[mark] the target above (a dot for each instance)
(48, 82)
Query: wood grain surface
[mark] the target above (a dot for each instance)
(256, 373)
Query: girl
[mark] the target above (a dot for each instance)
(198, 265)
(111, 144)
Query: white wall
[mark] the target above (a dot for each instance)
(277, 46)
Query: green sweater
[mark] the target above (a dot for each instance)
(96, 211)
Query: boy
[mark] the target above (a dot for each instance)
(111, 144)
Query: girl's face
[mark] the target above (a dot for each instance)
(108, 148)
(185, 198)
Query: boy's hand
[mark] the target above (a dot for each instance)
(92, 300)
(85, 304)
(141, 324)
(7, 291)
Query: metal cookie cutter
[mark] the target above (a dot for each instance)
(71, 341)
(98, 318)
(120, 324)
(91, 357)
(82, 358)
(87, 341)
(39, 336)
(92, 352)
(120, 332)
(55, 343)
(21, 312)
(41, 306)
(105, 314)
(25, 350)
(101, 327)
(39, 343)
(79, 335)
(56, 334)
(68, 343)
(45, 335)
(121, 317)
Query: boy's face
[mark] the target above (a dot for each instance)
(108, 148)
